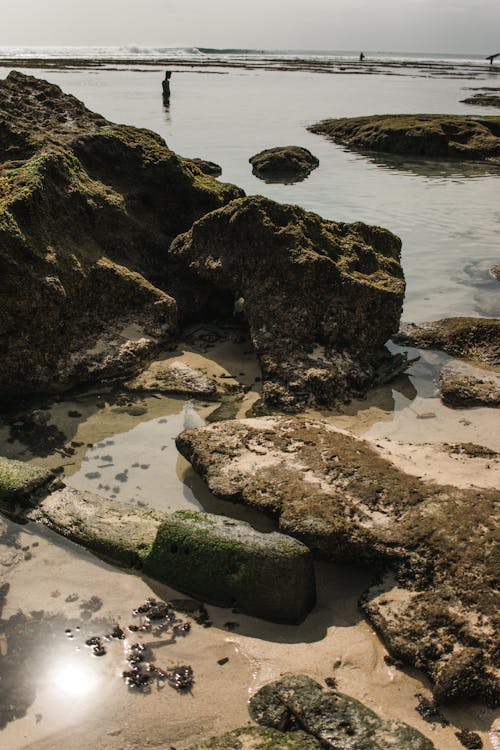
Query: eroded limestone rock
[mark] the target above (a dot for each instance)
(348, 504)
(463, 137)
(321, 298)
(463, 385)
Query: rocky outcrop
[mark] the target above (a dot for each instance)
(87, 212)
(335, 720)
(176, 378)
(227, 562)
(21, 482)
(463, 385)
(483, 100)
(320, 298)
(283, 164)
(495, 272)
(206, 167)
(463, 137)
(436, 606)
(260, 738)
(475, 339)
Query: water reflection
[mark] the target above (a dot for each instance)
(433, 169)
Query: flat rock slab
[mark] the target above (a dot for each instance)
(174, 377)
(438, 609)
(228, 563)
(213, 558)
(463, 385)
(286, 164)
(475, 339)
(335, 720)
(463, 137)
(483, 100)
(21, 482)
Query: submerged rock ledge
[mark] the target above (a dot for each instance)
(435, 606)
(462, 137)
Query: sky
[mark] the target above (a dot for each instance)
(462, 26)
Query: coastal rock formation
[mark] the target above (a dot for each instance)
(483, 100)
(87, 212)
(207, 167)
(175, 377)
(495, 272)
(475, 339)
(227, 562)
(463, 137)
(320, 298)
(283, 164)
(260, 738)
(436, 606)
(463, 385)
(335, 720)
(21, 482)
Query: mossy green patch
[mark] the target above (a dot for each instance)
(21, 482)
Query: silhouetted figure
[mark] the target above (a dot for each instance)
(492, 57)
(166, 85)
(361, 57)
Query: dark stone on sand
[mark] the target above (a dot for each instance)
(474, 339)
(283, 164)
(462, 137)
(228, 563)
(335, 720)
(436, 606)
(87, 209)
(321, 298)
(483, 100)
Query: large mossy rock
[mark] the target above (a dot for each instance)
(437, 605)
(260, 738)
(87, 212)
(335, 720)
(286, 164)
(463, 137)
(321, 298)
(227, 562)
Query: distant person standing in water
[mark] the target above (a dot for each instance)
(361, 57)
(492, 57)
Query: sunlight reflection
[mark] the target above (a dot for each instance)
(72, 678)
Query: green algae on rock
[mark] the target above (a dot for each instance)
(336, 494)
(87, 211)
(333, 719)
(462, 137)
(227, 562)
(286, 164)
(321, 298)
(260, 738)
(20, 483)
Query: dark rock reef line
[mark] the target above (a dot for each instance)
(435, 606)
(321, 298)
(87, 212)
(462, 137)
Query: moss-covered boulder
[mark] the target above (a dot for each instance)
(227, 562)
(21, 483)
(321, 298)
(475, 339)
(335, 720)
(87, 212)
(437, 544)
(463, 137)
(286, 164)
(260, 738)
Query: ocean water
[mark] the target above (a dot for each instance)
(447, 215)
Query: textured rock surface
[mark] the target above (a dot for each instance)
(321, 298)
(260, 738)
(283, 164)
(20, 482)
(206, 167)
(228, 563)
(175, 377)
(463, 385)
(335, 720)
(87, 211)
(495, 272)
(463, 137)
(437, 605)
(476, 339)
(483, 100)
